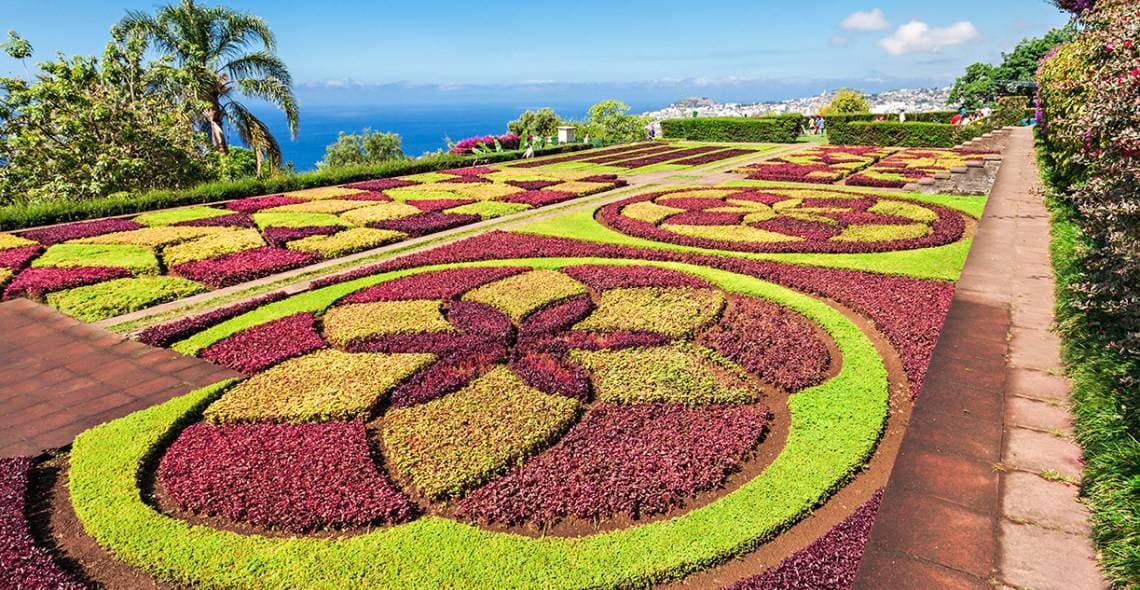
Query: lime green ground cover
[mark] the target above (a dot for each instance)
(834, 427)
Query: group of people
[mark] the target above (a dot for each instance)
(965, 117)
(816, 125)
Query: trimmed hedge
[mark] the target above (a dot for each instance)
(21, 216)
(782, 129)
(909, 134)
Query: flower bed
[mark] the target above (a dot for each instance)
(784, 220)
(247, 239)
(501, 432)
(642, 157)
(579, 405)
(912, 165)
(822, 165)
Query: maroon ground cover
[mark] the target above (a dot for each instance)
(164, 335)
(292, 477)
(278, 237)
(624, 460)
(260, 347)
(829, 563)
(255, 204)
(243, 266)
(428, 223)
(17, 258)
(23, 563)
(772, 342)
(36, 283)
(713, 157)
(73, 231)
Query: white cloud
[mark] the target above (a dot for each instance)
(871, 20)
(840, 40)
(919, 37)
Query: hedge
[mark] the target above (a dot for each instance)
(782, 129)
(21, 216)
(909, 134)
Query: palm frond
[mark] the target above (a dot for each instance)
(254, 133)
(260, 64)
(277, 93)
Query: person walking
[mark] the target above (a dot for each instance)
(902, 116)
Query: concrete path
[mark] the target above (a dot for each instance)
(59, 377)
(984, 490)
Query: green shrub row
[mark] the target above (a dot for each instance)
(909, 134)
(26, 215)
(782, 129)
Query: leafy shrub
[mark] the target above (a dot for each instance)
(363, 149)
(783, 129)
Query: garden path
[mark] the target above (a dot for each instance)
(984, 492)
(59, 377)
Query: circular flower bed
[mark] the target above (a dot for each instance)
(784, 220)
(498, 395)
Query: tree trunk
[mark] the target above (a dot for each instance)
(217, 130)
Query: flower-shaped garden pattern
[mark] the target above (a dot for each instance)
(784, 220)
(501, 395)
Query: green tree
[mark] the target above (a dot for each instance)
(610, 121)
(847, 102)
(983, 82)
(1021, 64)
(366, 147)
(86, 127)
(976, 87)
(215, 49)
(543, 123)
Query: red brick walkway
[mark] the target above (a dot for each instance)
(59, 377)
(967, 506)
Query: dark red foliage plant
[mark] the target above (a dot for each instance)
(260, 347)
(292, 477)
(243, 266)
(166, 334)
(23, 563)
(624, 460)
(74, 231)
(36, 283)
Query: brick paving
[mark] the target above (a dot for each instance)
(984, 493)
(59, 377)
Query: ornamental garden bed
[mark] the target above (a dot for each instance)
(821, 165)
(694, 382)
(644, 158)
(914, 164)
(100, 269)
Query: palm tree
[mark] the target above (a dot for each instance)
(213, 49)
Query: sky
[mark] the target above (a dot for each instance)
(361, 51)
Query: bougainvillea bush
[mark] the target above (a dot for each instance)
(165, 255)
(914, 164)
(821, 165)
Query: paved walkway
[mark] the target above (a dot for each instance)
(984, 490)
(59, 377)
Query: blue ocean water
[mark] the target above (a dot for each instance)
(423, 128)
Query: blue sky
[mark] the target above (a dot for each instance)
(340, 47)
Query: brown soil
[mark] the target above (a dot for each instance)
(55, 526)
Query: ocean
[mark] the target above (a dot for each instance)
(423, 129)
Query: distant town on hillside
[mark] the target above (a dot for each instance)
(893, 101)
